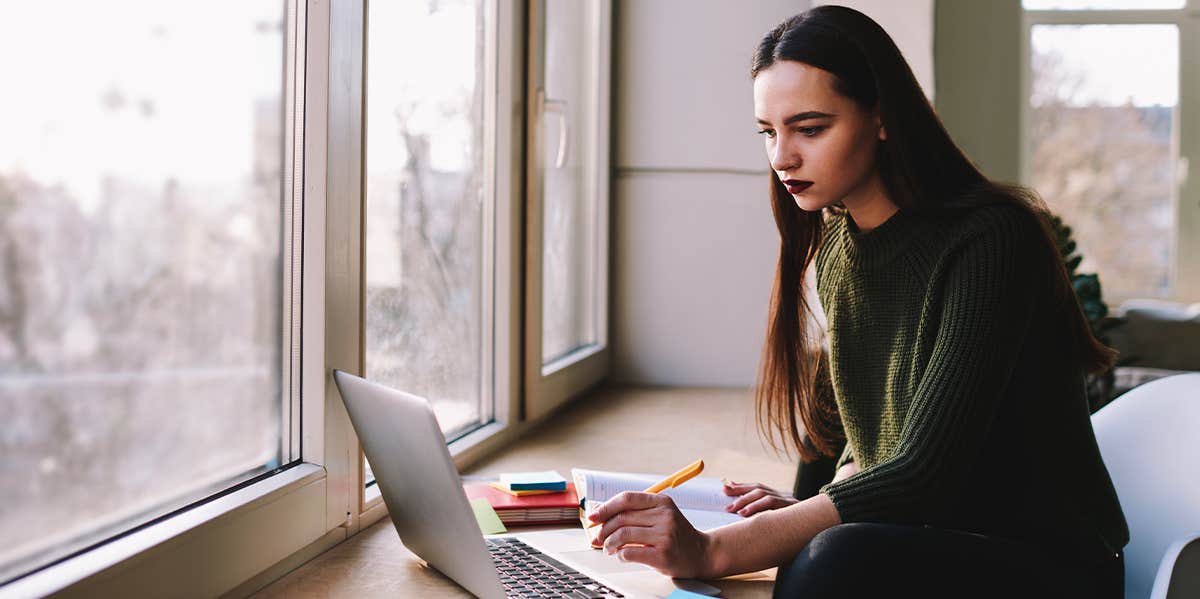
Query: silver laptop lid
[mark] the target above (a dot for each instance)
(419, 482)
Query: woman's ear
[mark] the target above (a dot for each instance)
(882, 129)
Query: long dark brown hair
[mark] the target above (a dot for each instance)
(923, 171)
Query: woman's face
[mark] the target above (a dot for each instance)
(820, 143)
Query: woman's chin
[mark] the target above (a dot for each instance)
(809, 203)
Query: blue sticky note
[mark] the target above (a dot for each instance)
(682, 594)
(530, 481)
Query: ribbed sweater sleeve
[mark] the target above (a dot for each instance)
(985, 313)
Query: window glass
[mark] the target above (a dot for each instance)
(424, 216)
(570, 209)
(1101, 4)
(1102, 124)
(141, 275)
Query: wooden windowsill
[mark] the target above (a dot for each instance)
(624, 429)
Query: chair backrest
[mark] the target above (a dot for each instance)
(1150, 441)
(1179, 575)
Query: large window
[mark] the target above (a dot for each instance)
(1103, 138)
(1101, 4)
(206, 208)
(427, 267)
(572, 213)
(567, 200)
(145, 325)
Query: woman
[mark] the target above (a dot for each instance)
(957, 351)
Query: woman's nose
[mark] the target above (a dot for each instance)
(783, 159)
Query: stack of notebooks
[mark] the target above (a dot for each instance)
(529, 498)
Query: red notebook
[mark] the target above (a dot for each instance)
(551, 508)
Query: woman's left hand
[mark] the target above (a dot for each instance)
(648, 528)
(751, 498)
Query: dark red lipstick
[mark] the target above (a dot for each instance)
(796, 186)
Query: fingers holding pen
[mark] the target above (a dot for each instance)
(629, 515)
(625, 509)
(622, 502)
(650, 529)
(625, 520)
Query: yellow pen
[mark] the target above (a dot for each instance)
(682, 476)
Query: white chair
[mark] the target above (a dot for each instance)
(1150, 440)
(1179, 574)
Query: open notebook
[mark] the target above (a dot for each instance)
(701, 500)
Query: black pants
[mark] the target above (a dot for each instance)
(889, 560)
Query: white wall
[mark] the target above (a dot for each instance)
(694, 242)
(910, 23)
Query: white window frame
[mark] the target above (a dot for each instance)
(502, 249)
(548, 386)
(1185, 278)
(521, 397)
(239, 542)
(273, 525)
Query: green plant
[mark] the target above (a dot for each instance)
(1091, 299)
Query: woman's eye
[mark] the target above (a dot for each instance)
(767, 132)
(810, 131)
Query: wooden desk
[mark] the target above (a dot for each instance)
(638, 430)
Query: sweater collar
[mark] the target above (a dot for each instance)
(881, 244)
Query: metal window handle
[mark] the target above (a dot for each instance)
(558, 107)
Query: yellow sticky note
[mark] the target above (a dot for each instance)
(488, 521)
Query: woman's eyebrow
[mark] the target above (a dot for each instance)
(802, 116)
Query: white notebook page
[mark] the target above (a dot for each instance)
(701, 500)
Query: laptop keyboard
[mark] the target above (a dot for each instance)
(527, 572)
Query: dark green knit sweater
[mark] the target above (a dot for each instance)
(958, 401)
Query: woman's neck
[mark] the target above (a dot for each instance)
(870, 206)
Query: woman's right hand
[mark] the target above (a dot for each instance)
(751, 498)
(647, 528)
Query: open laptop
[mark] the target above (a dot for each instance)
(424, 495)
